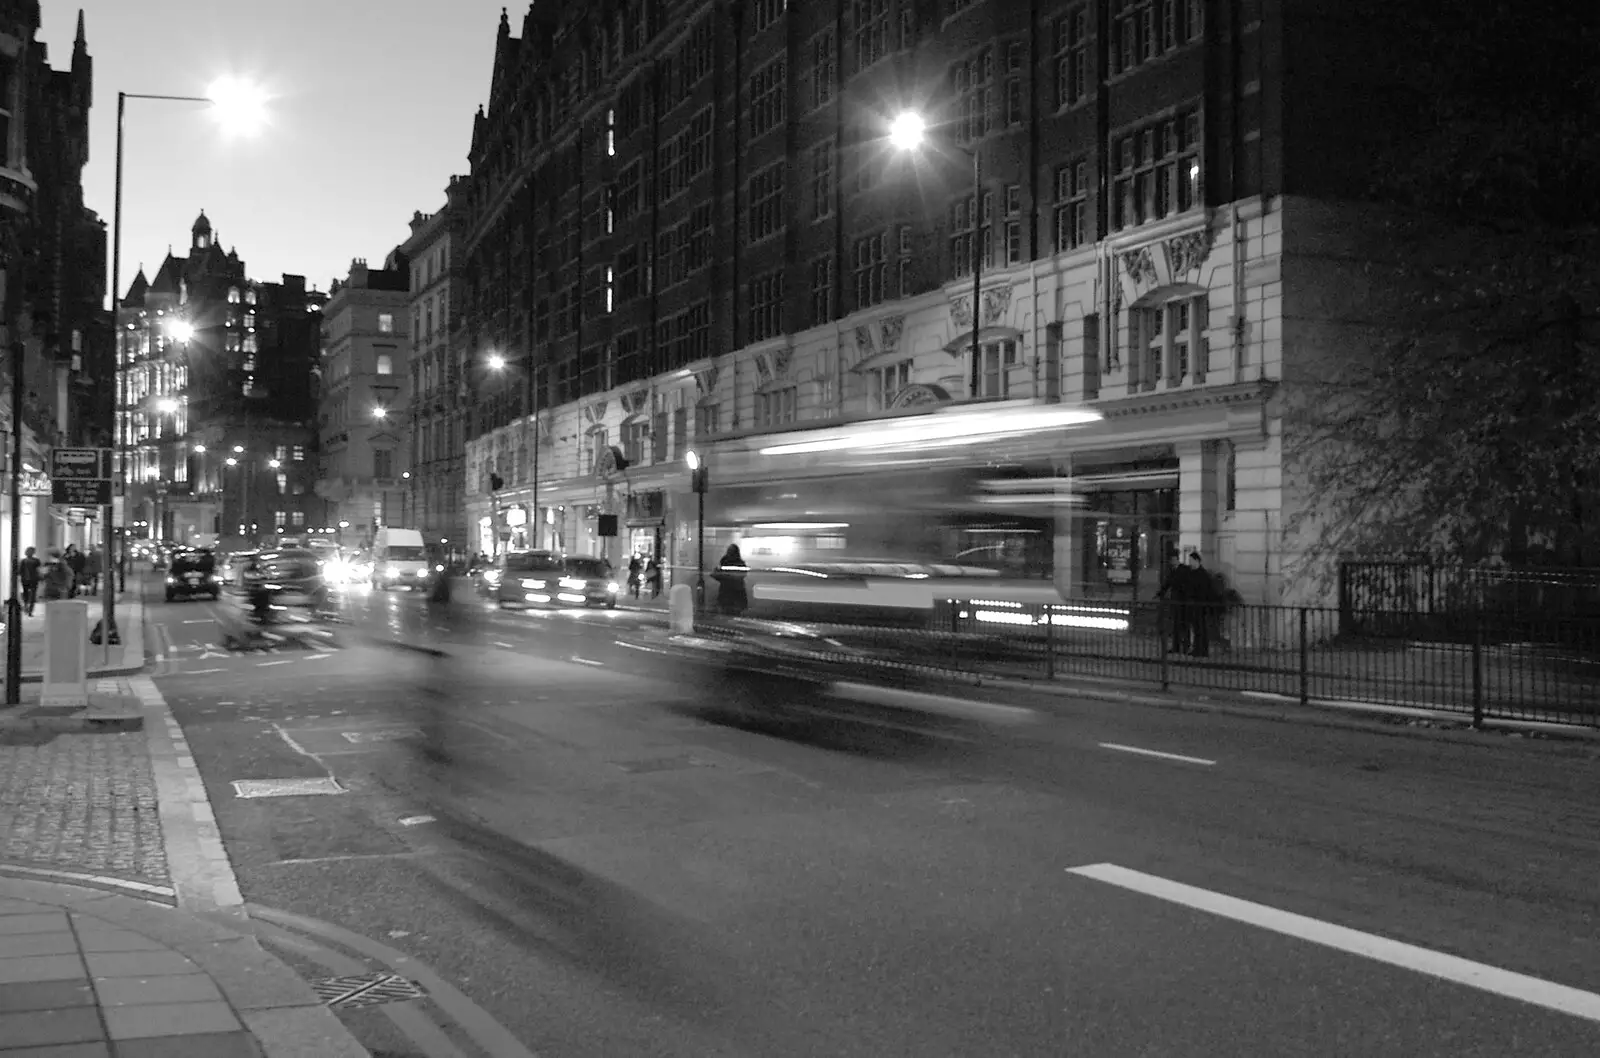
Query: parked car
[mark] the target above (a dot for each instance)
(193, 573)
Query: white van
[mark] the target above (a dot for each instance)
(399, 559)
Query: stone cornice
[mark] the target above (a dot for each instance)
(1161, 401)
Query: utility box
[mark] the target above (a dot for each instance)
(66, 653)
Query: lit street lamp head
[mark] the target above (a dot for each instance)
(232, 462)
(180, 330)
(238, 448)
(693, 459)
(274, 464)
(496, 362)
(200, 449)
(239, 105)
(908, 130)
(380, 413)
(166, 406)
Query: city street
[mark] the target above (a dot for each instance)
(610, 857)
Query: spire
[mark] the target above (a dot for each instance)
(505, 23)
(81, 42)
(201, 232)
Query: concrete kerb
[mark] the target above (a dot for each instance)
(280, 1009)
(274, 1003)
(1347, 716)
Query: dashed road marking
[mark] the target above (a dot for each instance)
(264, 664)
(586, 661)
(1140, 751)
(508, 646)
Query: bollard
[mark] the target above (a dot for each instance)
(680, 605)
(66, 654)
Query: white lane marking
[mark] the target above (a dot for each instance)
(316, 657)
(507, 646)
(1120, 748)
(1540, 993)
(264, 664)
(197, 672)
(586, 661)
(202, 621)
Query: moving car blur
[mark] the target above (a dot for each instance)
(193, 571)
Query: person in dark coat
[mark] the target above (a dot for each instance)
(28, 572)
(74, 560)
(1175, 592)
(730, 574)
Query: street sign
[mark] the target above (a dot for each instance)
(70, 493)
(80, 477)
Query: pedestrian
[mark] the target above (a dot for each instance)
(28, 574)
(1199, 606)
(635, 574)
(1175, 594)
(74, 561)
(732, 598)
(652, 574)
(91, 571)
(57, 577)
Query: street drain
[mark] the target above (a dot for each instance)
(639, 767)
(366, 990)
(393, 735)
(248, 788)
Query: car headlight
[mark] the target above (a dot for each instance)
(172, 580)
(573, 583)
(613, 588)
(392, 571)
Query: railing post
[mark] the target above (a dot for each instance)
(1477, 672)
(1162, 642)
(1305, 659)
(1050, 641)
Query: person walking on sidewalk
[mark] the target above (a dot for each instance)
(57, 577)
(652, 576)
(28, 575)
(74, 560)
(91, 572)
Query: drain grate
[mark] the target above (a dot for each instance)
(248, 788)
(366, 990)
(652, 764)
(392, 735)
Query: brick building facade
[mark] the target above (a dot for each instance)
(688, 220)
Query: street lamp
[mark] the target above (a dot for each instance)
(238, 449)
(167, 406)
(240, 105)
(908, 132)
(233, 462)
(697, 481)
(180, 330)
(380, 413)
(497, 362)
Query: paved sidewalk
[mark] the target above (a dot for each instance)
(85, 974)
(94, 972)
(116, 660)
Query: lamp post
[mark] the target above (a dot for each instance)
(232, 99)
(497, 363)
(697, 481)
(908, 131)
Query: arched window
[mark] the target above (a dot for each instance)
(233, 295)
(385, 364)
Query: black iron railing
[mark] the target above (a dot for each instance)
(1533, 669)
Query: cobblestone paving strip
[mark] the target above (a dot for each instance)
(81, 802)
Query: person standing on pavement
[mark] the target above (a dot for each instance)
(57, 577)
(732, 598)
(74, 561)
(91, 572)
(1175, 592)
(652, 576)
(1202, 601)
(28, 575)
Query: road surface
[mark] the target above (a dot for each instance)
(610, 862)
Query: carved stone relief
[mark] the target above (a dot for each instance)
(961, 312)
(892, 328)
(864, 347)
(1140, 266)
(1186, 253)
(595, 411)
(763, 371)
(706, 379)
(996, 303)
(778, 361)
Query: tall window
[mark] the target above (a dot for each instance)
(233, 295)
(1015, 248)
(886, 382)
(776, 407)
(990, 372)
(764, 13)
(871, 266)
(766, 202)
(824, 68)
(385, 323)
(769, 93)
(766, 306)
(628, 275)
(385, 364)
(963, 222)
(974, 85)
(1157, 170)
(822, 291)
(822, 180)
(1173, 340)
(628, 193)
(904, 275)
(1072, 56)
(1072, 206)
(382, 463)
(1016, 68)
(873, 40)
(1147, 29)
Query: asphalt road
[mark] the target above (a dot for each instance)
(615, 859)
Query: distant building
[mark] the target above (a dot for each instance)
(52, 256)
(437, 417)
(364, 400)
(218, 409)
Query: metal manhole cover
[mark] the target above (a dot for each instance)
(393, 735)
(366, 990)
(247, 788)
(639, 767)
